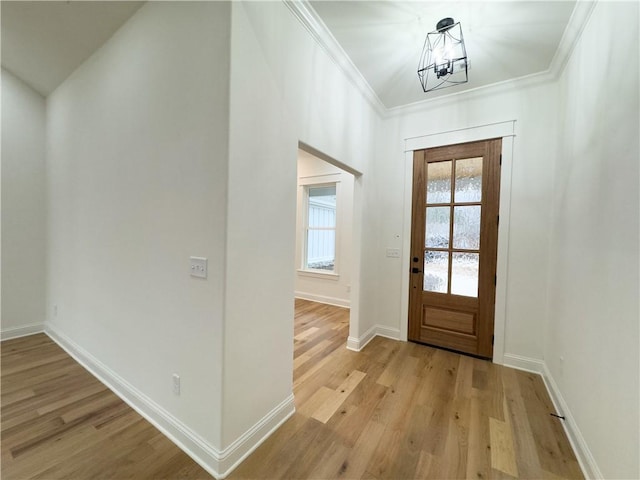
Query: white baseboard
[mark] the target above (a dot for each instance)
(337, 302)
(523, 363)
(357, 344)
(217, 463)
(16, 332)
(243, 446)
(580, 447)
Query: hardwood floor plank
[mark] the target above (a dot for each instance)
(418, 412)
(392, 411)
(59, 422)
(309, 354)
(524, 442)
(306, 333)
(478, 462)
(358, 458)
(502, 455)
(331, 404)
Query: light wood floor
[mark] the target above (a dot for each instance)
(395, 410)
(58, 421)
(406, 411)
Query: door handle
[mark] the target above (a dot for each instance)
(416, 270)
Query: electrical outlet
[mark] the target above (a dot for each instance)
(55, 310)
(176, 384)
(198, 267)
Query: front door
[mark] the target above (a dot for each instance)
(454, 240)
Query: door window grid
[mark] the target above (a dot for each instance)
(451, 256)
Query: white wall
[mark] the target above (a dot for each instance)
(137, 174)
(23, 207)
(593, 280)
(284, 89)
(167, 142)
(155, 154)
(333, 289)
(534, 109)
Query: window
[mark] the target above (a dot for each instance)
(320, 228)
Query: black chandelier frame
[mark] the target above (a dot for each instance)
(441, 71)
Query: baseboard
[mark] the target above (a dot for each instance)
(16, 332)
(527, 364)
(337, 302)
(580, 447)
(217, 463)
(235, 453)
(387, 332)
(357, 344)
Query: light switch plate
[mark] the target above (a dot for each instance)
(393, 252)
(198, 267)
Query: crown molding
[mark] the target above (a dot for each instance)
(577, 22)
(308, 17)
(305, 13)
(469, 94)
(572, 33)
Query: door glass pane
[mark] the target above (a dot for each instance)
(437, 227)
(439, 182)
(468, 180)
(464, 274)
(436, 269)
(466, 227)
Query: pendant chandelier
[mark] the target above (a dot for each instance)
(443, 62)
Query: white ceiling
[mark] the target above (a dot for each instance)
(504, 40)
(44, 42)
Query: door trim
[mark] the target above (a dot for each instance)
(507, 131)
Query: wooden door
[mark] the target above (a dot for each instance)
(454, 242)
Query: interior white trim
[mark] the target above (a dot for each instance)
(244, 445)
(308, 17)
(572, 33)
(357, 344)
(585, 458)
(506, 130)
(202, 452)
(526, 364)
(469, 134)
(472, 93)
(310, 20)
(500, 314)
(337, 302)
(17, 332)
(334, 277)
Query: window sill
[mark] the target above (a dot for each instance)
(319, 274)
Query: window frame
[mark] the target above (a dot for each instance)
(306, 184)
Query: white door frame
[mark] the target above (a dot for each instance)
(506, 131)
(356, 248)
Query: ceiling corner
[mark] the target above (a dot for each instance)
(578, 20)
(308, 17)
